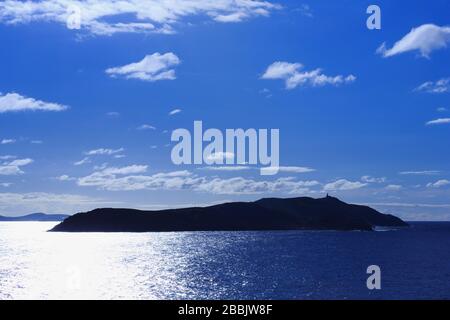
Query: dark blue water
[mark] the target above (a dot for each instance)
(414, 262)
(35, 264)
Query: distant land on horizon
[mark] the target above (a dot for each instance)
(36, 217)
(303, 213)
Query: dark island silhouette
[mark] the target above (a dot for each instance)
(36, 217)
(266, 214)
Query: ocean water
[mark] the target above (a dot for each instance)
(34, 264)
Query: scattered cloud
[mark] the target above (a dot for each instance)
(420, 173)
(438, 121)
(294, 76)
(82, 161)
(241, 186)
(439, 86)
(132, 178)
(343, 185)
(65, 177)
(104, 151)
(226, 168)
(370, 179)
(146, 127)
(8, 141)
(152, 68)
(438, 184)
(442, 109)
(36, 142)
(14, 167)
(24, 203)
(174, 112)
(113, 114)
(5, 184)
(7, 157)
(305, 10)
(394, 187)
(425, 39)
(220, 156)
(13, 102)
(133, 16)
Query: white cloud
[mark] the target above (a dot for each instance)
(25, 203)
(240, 186)
(293, 76)
(291, 169)
(5, 184)
(343, 184)
(36, 142)
(146, 127)
(13, 102)
(8, 141)
(442, 110)
(65, 177)
(425, 39)
(226, 168)
(439, 86)
(147, 16)
(220, 156)
(439, 121)
(132, 178)
(116, 179)
(420, 173)
(438, 184)
(152, 68)
(305, 10)
(14, 167)
(104, 151)
(113, 114)
(82, 161)
(394, 187)
(174, 111)
(370, 179)
(7, 157)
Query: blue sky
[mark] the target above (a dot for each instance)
(369, 139)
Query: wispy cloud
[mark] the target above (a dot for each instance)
(294, 76)
(146, 127)
(7, 141)
(394, 187)
(147, 16)
(133, 178)
(240, 186)
(439, 86)
(439, 121)
(152, 68)
(104, 151)
(370, 179)
(13, 102)
(24, 203)
(14, 167)
(82, 161)
(174, 112)
(305, 10)
(420, 173)
(343, 185)
(438, 184)
(425, 39)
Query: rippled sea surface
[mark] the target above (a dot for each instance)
(35, 264)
